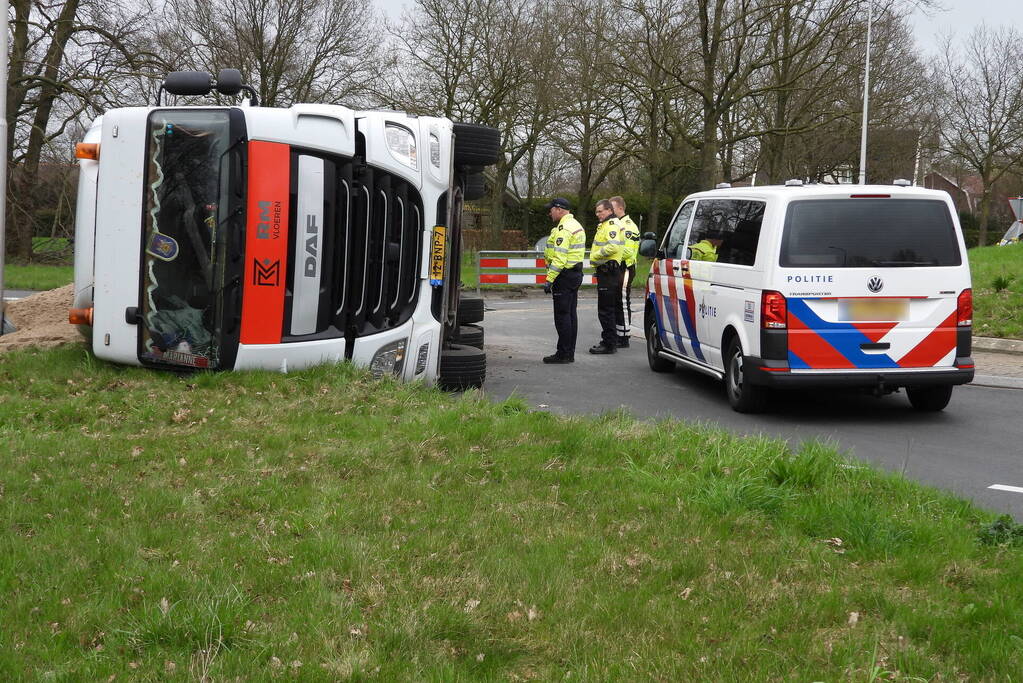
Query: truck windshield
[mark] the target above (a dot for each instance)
(863, 233)
(187, 178)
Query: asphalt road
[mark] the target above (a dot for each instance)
(975, 443)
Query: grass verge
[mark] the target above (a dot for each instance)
(997, 291)
(325, 526)
(38, 277)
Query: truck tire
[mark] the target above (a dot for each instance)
(462, 367)
(474, 187)
(929, 399)
(470, 309)
(476, 145)
(743, 396)
(470, 335)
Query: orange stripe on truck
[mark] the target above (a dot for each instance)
(266, 243)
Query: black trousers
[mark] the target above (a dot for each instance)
(565, 291)
(609, 302)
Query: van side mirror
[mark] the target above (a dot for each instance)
(648, 247)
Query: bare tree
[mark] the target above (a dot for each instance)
(982, 112)
(62, 54)
(288, 50)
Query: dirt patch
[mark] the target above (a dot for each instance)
(41, 321)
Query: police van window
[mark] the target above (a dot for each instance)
(857, 233)
(726, 231)
(674, 239)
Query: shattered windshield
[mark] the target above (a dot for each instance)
(183, 252)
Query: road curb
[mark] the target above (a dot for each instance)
(997, 382)
(1013, 346)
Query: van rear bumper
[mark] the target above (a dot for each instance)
(772, 373)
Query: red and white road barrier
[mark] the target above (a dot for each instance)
(494, 268)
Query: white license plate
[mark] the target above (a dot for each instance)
(863, 310)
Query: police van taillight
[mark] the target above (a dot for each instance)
(773, 311)
(964, 308)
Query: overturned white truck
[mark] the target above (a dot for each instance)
(233, 237)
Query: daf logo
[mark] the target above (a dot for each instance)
(875, 284)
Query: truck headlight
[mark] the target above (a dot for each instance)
(435, 150)
(402, 144)
(388, 359)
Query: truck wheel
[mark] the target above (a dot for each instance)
(653, 348)
(462, 367)
(470, 335)
(929, 399)
(470, 309)
(476, 145)
(474, 188)
(742, 396)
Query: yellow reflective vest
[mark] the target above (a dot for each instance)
(566, 246)
(631, 231)
(703, 251)
(608, 244)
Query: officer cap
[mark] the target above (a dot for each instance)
(558, 202)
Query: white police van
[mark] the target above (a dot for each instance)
(816, 286)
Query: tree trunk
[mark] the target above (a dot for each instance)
(985, 214)
(709, 152)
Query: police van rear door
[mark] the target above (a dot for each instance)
(872, 282)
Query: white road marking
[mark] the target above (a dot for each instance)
(1003, 487)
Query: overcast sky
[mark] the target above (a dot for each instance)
(960, 18)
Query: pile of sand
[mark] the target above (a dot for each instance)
(41, 320)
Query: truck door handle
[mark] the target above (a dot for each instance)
(131, 315)
(875, 347)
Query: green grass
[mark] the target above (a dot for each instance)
(997, 291)
(322, 526)
(37, 277)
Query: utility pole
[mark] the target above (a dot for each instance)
(866, 98)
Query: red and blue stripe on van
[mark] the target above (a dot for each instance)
(818, 344)
(675, 310)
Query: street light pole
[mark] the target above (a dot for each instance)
(4, 8)
(866, 98)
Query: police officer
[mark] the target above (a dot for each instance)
(607, 254)
(707, 248)
(566, 248)
(631, 232)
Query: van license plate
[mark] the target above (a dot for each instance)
(860, 310)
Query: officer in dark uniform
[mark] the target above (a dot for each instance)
(566, 249)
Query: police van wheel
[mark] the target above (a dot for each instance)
(462, 367)
(929, 399)
(470, 335)
(653, 348)
(476, 145)
(470, 309)
(742, 396)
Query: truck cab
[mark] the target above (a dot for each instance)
(238, 237)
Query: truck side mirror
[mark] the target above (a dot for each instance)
(229, 82)
(188, 83)
(648, 247)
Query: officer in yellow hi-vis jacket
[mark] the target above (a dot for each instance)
(631, 231)
(607, 254)
(566, 249)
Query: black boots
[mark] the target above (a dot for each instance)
(602, 348)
